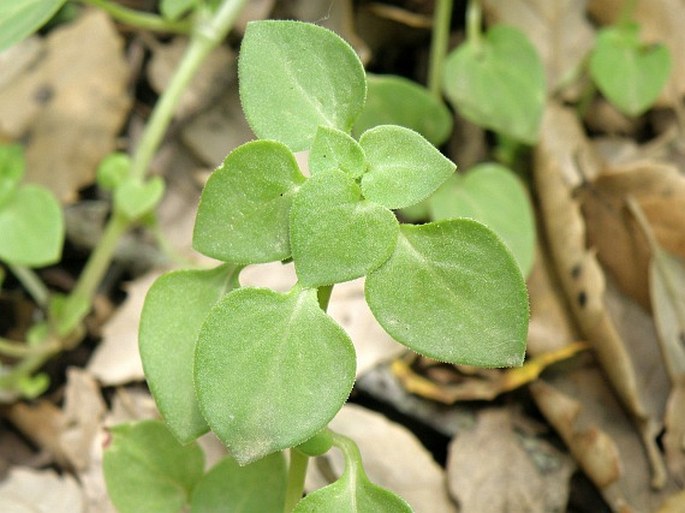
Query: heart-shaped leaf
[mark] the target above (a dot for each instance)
(21, 19)
(296, 76)
(12, 167)
(148, 471)
(335, 234)
(32, 227)
(631, 75)
(255, 488)
(498, 83)
(244, 208)
(134, 199)
(393, 100)
(175, 308)
(493, 195)
(271, 370)
(452, 291)
(334, 149)
(403, 167)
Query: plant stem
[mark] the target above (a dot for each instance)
(19, 350)
(442, 18)
(141, 20)
(474, 14)
(297, 470)
(32, 283)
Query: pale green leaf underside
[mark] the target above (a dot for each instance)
(403, 167)
(334, 149)
(629, 74)
(493, 195)
(452, 291)
(393, 100)
(498, 84)
(175, 308)
(244, 207)
(336, 235)
(148, 471)
(21, 18)
(294, 77)
(31, 227)
(271, 370)
(255, 488)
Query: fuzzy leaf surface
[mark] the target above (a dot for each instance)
(393, 100)
(32, 227)
(255, 488)
(403, 167)
(337, 235)
(20, 19)
(453, 291)
(631, 75)
(148, 471)
(243, 213)
(334, 149)
(271, 370)
(498, 84)
(493, 195)
(175, 308)
(296, 76)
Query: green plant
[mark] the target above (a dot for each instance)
(266, 371)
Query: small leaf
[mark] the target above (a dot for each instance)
(148, 471)
(113, 170)
(12, 167)
(271, 370)
(452, 291)
(493, 195)
(333, 149)
(255, 488)
(244, 208)
(175, 308)
(32, 227)
(631, 75)
(336, 235)
(393, 100)
(296, 76)
(134, 199)
(404, 168)
(19, 19)
(498, 83)
(174, 9)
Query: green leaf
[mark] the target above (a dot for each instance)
(393, 100)
(174, 9)
(255, 488)
(452, 291)
(148, 471)
(271, 370)
(32, 227)
(498, 83)
(21, 18)
(404, 168)
(631, 75)
(113, 170)
(493, 195)
(333, 149)
(244, 208)
(12, 167)
(296, 76)
(175, 308)
(134, 199)
(335, 234)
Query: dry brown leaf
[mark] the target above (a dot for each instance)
(253, 10)
(392, 457)
(501, 466)
(40, 422)
(73, 102)
(557, 173)
(40, 491)
(674, 438)
(559, 31)
(674, 504)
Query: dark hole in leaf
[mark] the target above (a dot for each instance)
(582, 298)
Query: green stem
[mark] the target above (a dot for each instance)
(474, 31)
(32, 283)
(141, 20)
(19, 350)
(353, 458)
(442, 18)
(297, 470)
